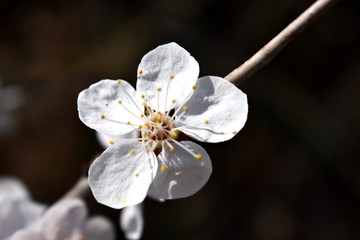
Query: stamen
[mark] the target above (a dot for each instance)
(131, 99)
(163, 169)
(180, 107)
(172, 149)
(120, 102)
(118, 81)
(197, 156)
(167, 90)
(157, 98)
(102, 116)
(111, 142)
(132, 151)
(194, 87)
(140, 71)
(206, 121)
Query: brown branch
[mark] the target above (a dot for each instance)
(270, 50)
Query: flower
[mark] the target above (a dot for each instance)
(17, 210)
(169, 103)
(67, 220)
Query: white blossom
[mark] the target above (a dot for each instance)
(67, 220)
(17, 209)
(169, 102)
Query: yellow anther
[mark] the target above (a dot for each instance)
(129, 122)
(132, 151)
(142, 115)
(171, 76)
(158, 119)
(194, 87)
(147, 149)
(156, 127)
(111, 142)
(98, 186)
(140, 71)
(162, 120)
(119, 101)
(172, 149)
(173, 101)
(206, 121)
(151, 135)
(185, 108)
(102, 116)
(174, 134)
(146, 124)
(142, 96)
(147, 112)
(163, 169)
(58, 229)
(137, 175)
(140, 126)
(123, 201)
(118, 81)
(198, 156)
(159, 89)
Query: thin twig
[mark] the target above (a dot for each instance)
(270, 50)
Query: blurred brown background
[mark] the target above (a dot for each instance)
(292, 173)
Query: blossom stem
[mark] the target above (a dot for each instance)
(272, 48)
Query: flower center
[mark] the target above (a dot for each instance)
(158, 130)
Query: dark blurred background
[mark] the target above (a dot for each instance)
(293, 171)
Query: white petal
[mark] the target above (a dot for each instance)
(121, 176)
(158, 67)
(99, 108)
(216, 111)
(153, 194)
(96, 227)
(26, 235)
(12, 188)
(106, 140)
(60, 221)
(16, 214)
(132, 221)
(184, 175)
